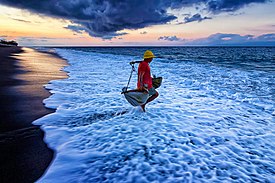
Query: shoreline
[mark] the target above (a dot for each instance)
(23, 73)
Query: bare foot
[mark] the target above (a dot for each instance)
(143, 107)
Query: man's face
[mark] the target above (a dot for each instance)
(148, 60)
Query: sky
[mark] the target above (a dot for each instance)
(138, 22)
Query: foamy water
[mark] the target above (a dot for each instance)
(210, 123)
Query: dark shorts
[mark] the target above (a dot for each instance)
(152, 91)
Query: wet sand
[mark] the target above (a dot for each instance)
(24, 156)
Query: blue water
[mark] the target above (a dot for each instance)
(213, 121)
(260, 58)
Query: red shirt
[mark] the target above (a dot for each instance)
(144, 75)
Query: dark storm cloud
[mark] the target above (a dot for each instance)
(217, 6)
(195, 18)
(169, 38)
(100, 18)
(105, 18)
(81, 29)
(77, 29)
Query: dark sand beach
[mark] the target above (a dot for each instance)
(24, 156)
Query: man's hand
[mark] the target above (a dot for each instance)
(143, 89)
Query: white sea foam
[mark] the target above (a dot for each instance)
(207, 125)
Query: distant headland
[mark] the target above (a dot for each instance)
(4, 43)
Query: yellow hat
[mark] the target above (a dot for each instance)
(148, 54)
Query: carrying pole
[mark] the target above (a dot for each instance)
(133, 69)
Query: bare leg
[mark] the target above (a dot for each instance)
(153, 97)
(150, 99)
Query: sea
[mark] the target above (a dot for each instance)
(214, 119)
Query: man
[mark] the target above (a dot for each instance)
(145, 79)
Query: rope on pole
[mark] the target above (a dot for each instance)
(133, 69)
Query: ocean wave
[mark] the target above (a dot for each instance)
(210, 123)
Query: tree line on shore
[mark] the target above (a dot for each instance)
(8, 43)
